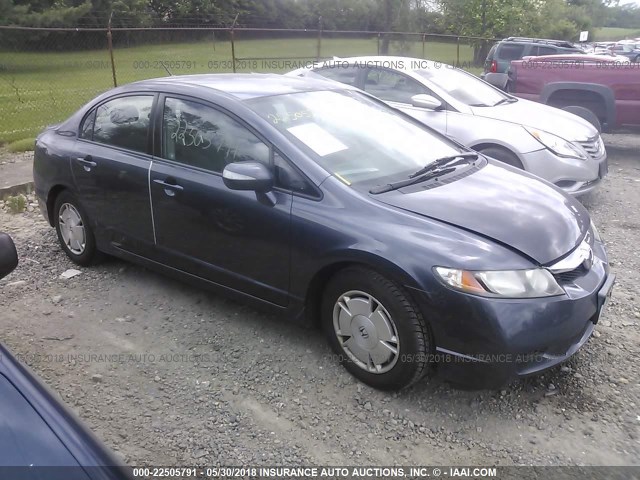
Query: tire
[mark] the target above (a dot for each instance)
(502, 154)
(74, 233)
(399, 325)
(586, 114)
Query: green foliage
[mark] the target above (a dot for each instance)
(57, 15)
(24, 145)
(41, 88)
(491, 18)
(532, 18)
(605, 34)
(5, 10)
(16, 204)
(624, 16)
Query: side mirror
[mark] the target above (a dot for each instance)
(248, 176)
(8, 255)
(423, 100)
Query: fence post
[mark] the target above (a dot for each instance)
(378, 41)
(110, 45)
(319, 47)
(424, 39)
(457, 51)
(233, 44)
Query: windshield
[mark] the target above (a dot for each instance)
(464, 87)
(352, 136)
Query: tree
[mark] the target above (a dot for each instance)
(40, 14)
(624, 16)
(5, 9)
(530, 18)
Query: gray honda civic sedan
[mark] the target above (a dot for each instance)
(321, 203)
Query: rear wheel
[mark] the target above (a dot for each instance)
(377, 331)
(502, 154)
(74, 233)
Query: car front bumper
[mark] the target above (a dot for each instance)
(576, 177)
(487, 342)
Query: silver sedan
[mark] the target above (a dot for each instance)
(553, 144)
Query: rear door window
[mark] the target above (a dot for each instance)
(392, 86)
(547, 51)
(124, 122)
(346, 75)
(86, 129)
(492, 52)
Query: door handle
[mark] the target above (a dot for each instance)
(86, 162)
(169, 188)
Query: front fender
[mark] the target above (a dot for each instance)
(603, 91)
(477, 130)
(395, 242)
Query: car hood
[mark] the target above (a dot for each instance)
(536, 115)
(514, 209)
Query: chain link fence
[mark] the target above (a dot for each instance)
(47, 74)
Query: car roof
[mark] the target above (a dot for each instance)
(242, 85)
(582, 57)
(544, 41)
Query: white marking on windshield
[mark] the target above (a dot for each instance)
(317, 139)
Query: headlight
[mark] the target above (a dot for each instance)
(536, 282)
(557, 145)
(596, 233)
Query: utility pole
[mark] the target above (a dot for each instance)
(484, 17)
(481, 53)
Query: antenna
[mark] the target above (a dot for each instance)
(167, 70)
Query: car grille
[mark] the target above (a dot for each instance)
(593, 146)
(571, 275)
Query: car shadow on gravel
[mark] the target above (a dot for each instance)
(303, 340)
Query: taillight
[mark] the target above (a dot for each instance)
(494, 67)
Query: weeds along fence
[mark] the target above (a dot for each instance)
(46, 74)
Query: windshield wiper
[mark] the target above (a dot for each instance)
(441, 166)
(450, 161)
(505, 100)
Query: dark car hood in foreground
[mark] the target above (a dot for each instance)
(512, 208)
(40, 439)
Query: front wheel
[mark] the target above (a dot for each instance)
(74, 233)
(377, 331)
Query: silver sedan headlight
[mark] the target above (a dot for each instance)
(557, 145)
(532, 283)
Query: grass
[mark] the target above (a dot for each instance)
(611, 34)
(16, 204)
(38, 89)
(23, 145)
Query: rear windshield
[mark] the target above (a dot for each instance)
(492, 52)
(511, 51)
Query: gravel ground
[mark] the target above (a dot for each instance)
(167, 374)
